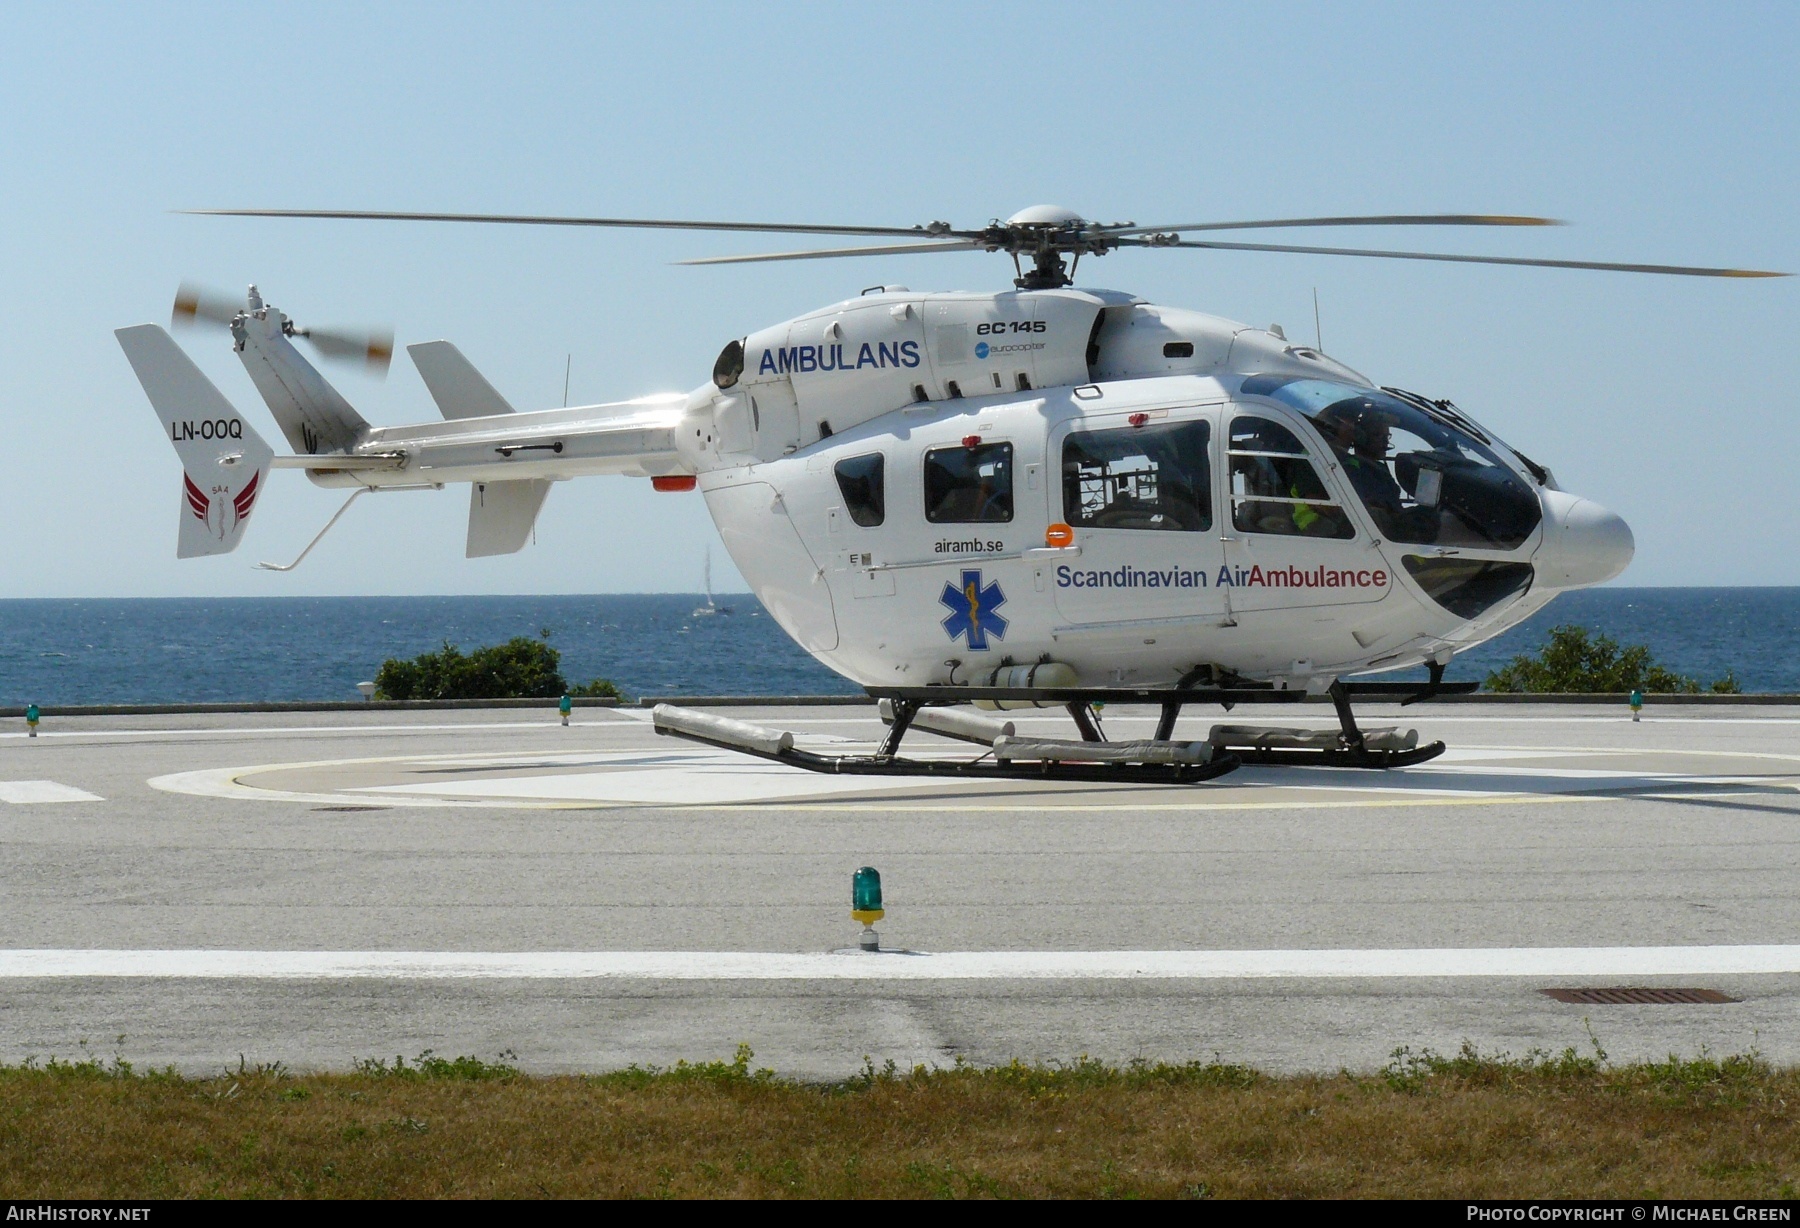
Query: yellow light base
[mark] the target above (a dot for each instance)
(867, 916)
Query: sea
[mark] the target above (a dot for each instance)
(186, 650)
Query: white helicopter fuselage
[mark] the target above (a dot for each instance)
(1040, 487)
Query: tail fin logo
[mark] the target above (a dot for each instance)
(198, 500)
(244, 500)
(221, 511)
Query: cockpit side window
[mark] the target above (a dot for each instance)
(1424, 478)
(969, 485)
(1139, 477)
(861, 480)
(1274, 487)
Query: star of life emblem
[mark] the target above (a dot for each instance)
(973, 607)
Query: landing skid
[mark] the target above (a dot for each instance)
(982, 767)
(1158, 760)
(1350, 747)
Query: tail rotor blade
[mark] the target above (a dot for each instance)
(195, 303)
(373, 347)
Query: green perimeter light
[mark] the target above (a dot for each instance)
(865, 896)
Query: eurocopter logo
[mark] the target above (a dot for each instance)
(972, 610)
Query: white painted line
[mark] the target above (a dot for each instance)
(1562, 962)
(218, 731)
(695, 784)
(24, 792)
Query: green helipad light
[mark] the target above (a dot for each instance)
(565, 705)
(1637, 704)
(865, 896)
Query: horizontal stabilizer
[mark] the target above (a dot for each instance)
(501, 515)
(458, 388)
(224, 462)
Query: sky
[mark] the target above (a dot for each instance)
(1662, 133)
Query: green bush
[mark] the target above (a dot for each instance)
(599, 688)
(1573, 660)
(521, 668)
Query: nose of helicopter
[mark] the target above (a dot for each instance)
(1584, 543)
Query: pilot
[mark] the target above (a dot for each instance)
(1359, 435)
(1359, 438)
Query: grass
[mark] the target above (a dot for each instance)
(1466, 1125)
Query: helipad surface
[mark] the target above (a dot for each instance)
(312, 889)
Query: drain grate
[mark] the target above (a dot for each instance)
(1637, 995)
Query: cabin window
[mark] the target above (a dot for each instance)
(1469, 588)
(861, 480)
(1274, 487)
(1148, 477)
(969, 485)
(1421, 469)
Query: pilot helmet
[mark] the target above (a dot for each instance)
(1368, 422)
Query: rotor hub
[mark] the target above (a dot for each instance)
(1045, 234)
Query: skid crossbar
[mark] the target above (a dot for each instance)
(1351, 750)
(894, 765)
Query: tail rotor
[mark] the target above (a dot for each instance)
(372, 348)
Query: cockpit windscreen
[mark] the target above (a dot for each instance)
(1424, 479)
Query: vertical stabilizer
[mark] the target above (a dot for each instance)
(501, 515)
(458, 388)
(224, 462)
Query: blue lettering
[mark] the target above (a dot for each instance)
(1062, 572)
(767, 366)
(790, 359)
(890, 355)
(809, 358)
(909, 353)
(831, 352)
(865, 357)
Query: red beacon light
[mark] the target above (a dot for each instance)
(674, 482)
(1138, 419)
(971, 441)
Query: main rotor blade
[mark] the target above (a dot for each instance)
(523, 219)
(1388, 219)
(896, 249)
(1607, 266)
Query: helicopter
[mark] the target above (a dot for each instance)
(1046, 496)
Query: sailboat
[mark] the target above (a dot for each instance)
(710, 608)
